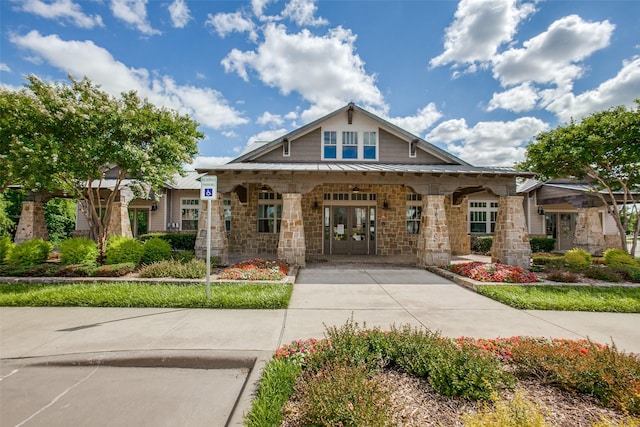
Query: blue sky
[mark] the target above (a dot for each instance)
(479, 78)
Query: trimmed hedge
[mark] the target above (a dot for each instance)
(30, 253)
(542, 244)
(481, 244)
(154, 250)
(123, 250)
(178, 241)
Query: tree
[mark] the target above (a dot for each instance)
(602, 150)
(67, 136)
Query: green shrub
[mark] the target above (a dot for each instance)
(481, 244)
(183, 256)
(30, 253)
(607, 274)
(178, 241)
(619, 258)
(194, 269)
(76, 270)
(631, 274)
(343, 395)
(122, 249)
(78, 250)
(542, 244)
(577, 259)
(549, 262)
(155, 250)
(5, 248)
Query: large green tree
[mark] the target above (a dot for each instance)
(602, 150)
(67, 136)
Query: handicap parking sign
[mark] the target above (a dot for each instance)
(208, 192)
(209, 187)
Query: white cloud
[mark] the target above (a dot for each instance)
(479, 28)
(518, 99)
(4, 67)
(205, 162)
(266, 136)
(65, 10)
(422, 121)
(258, 8)
(551, 57)
(226, 23)
(619, 90)
(279, 62)
(84, 58)
(270, 119)
(488, 143)
(180, 13)
(302, 13)
(229, 134)
(133, 12)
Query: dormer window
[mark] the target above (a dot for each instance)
(349, 145)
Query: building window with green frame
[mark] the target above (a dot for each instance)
(482, 216)
(189, 214)
(414, 213)
(269, 212)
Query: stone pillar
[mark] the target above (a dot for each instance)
(459, 239)
(291, 245)
(119, 224)
(433, 241)
(31, 224)
(219, 243)
(589, 235)
(511, 240)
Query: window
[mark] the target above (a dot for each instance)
(370, 145)
(414, 213)
(286, 147)
(190, 214)
(227, 214)
(349, 145)
(482, 217)
(330, 145)
(269, 212)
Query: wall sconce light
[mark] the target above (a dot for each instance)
(385, 204)
(154, 207)
(383, 219)
(540, 211)
(315, 204)
(264, 189)
(355, 189)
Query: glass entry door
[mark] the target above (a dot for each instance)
(352, 230)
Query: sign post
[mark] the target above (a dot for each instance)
(209, 192)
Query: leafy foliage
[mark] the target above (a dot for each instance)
(603, 150)
(6, 245)
(122, 249)
(619, 258)
(60, 216)
(481, 244)
(29, 253)
(256, 269)
(493, 272)
(577, 259)
(155, 250)
(178, 241)
(518, 412)
(78, 250)
(542, 244)
(194, 269)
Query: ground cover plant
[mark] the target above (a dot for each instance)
(568, 298)
(343, 379)
(124, 294)
(493, 272)
(256, 269)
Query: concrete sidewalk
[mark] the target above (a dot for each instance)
(54, 359)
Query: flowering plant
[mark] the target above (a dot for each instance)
(493, 272)
(302, 349)
(256, 269)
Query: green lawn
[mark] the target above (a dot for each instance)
(567, 298)
(231, 295)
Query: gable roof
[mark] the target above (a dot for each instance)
(254, 151)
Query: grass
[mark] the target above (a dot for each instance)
(614, 299)
(227, 296)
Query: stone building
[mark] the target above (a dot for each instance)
(351, 183)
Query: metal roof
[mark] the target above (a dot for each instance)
(329, 167)
(191, 181)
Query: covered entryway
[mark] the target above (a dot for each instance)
(349, 230)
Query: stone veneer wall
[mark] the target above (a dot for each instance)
(589, 235)
(32, 224)
(219, 242)
(511, 241)
(291, 245)
(244, 237)
(119, 223)
(433, 244)
(457, 215)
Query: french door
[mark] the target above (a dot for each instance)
(349, 230)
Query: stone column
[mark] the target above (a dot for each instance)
(219, 243)
(589, 235)
(291, 245)
(119, 224)
(511, 240)
(459, 239)
(31, 224)
(433, 241)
